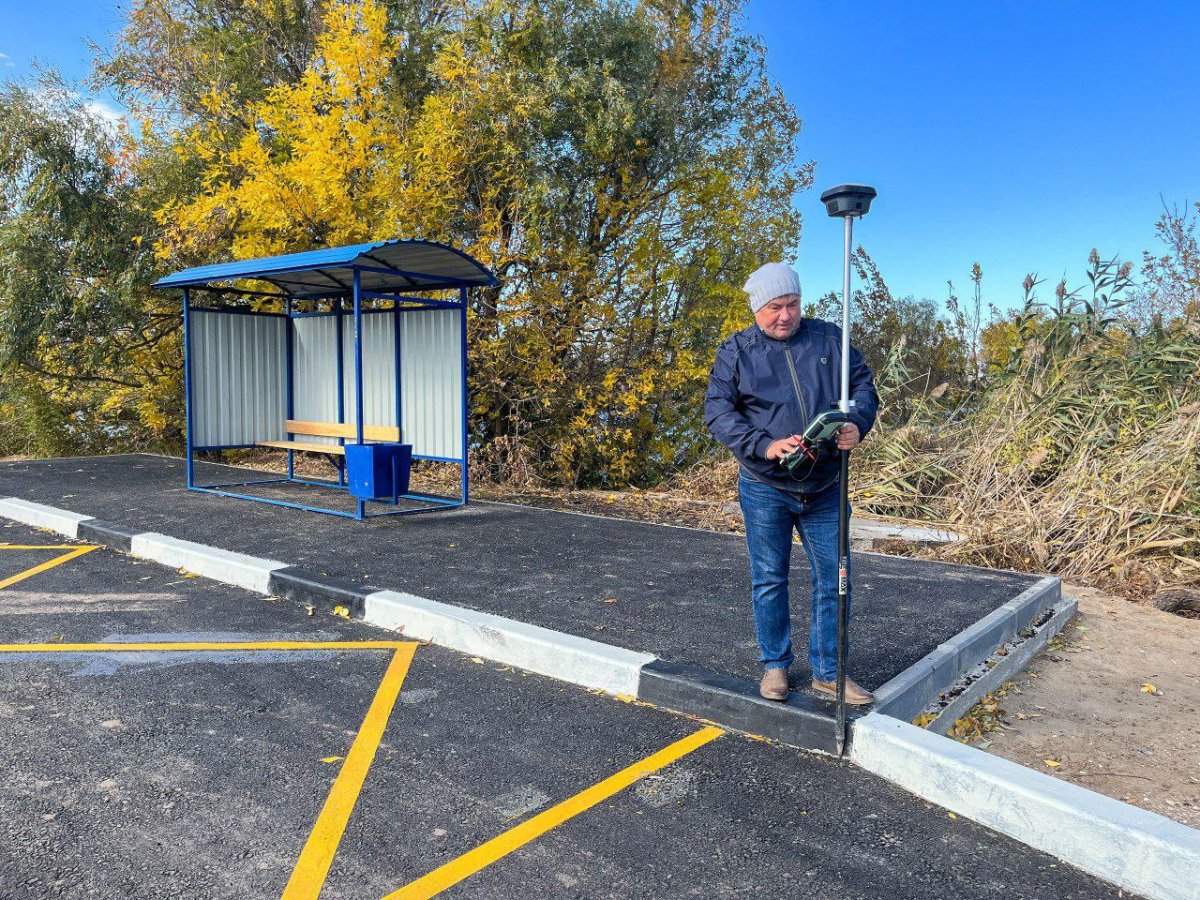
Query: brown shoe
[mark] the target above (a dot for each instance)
(774, 684)
(855, 694)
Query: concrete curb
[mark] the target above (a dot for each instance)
(802, 720)
(40, 516)
(544, 651)
(530, 647)
(238, 569)
(998, 669)
(1137, 850)
(920, 685)
(100, 532)
(322, 592)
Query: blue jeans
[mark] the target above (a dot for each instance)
(771, 515)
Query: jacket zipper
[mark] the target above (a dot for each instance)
(796, 385)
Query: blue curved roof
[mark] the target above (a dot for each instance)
(386, 267)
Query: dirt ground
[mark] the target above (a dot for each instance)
(1114, 706)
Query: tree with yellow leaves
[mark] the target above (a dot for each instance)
(619, 166)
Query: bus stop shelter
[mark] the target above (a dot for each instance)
(357, 354)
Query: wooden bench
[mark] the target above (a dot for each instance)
(330, 429)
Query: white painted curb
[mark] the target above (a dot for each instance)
(1137, 850)
(541, 650)
(39, 516)
(237, 569)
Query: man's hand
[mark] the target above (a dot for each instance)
(848, 436)
(783, 447)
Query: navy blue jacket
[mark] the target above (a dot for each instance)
(753, 398)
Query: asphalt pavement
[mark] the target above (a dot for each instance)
(678, 593)
(283, 771)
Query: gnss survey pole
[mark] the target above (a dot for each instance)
(847, 202)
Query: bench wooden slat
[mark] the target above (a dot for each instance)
(343, 430)
(335, 449)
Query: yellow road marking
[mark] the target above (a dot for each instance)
(203, 645)
(313, 866)
(485, 854)
(57, 561)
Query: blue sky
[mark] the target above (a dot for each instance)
(1015, 134)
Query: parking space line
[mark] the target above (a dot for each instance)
(74, 553)
(485, 854)
(313, 866)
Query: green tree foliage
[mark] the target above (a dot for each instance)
(90, 358)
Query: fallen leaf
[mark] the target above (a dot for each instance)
(330, 759)
(1051, 763)
(476, 659)
(1148, 688)
(341, 611)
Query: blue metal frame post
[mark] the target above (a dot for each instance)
(462, 299)
(358, 368)
(399, 381)
(341, 377)
(187, 383)
(291, 401)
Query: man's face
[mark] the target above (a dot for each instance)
(781, 317)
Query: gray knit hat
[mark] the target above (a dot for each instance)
(770, 281)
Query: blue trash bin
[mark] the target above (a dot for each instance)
(378, 471)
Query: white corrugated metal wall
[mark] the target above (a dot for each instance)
(379, 368)
(314, 373)
(431, 388)
(430, 368)
(239, 378)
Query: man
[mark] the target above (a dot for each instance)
(768, 382)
